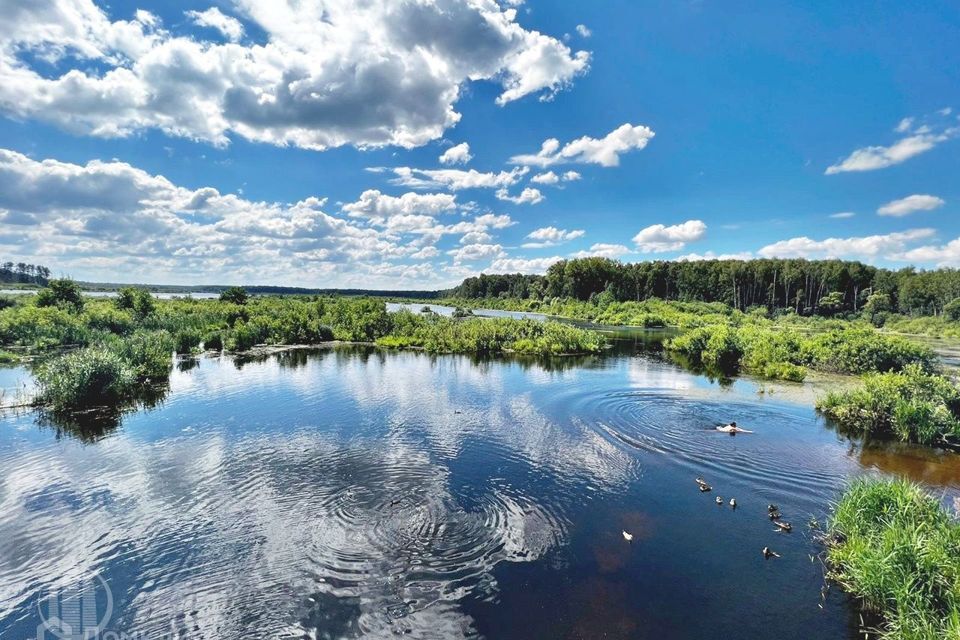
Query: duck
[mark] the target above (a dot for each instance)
(705, 487)
(733, 502)
(769, 553)
(772, 507)
(700, 481)
(774, 515)
(627, 536)
(719, 500)
(783, 526)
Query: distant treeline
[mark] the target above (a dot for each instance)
(259, 290)
(23, 273)
(805, 286)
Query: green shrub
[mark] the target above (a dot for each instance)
(863, 350)
(186, 341)
(41, 327)
(81, 379)
(895, 548)
(140, 301)
(60, 293)
(108, 318)
(213, 341)
(911, 406)
(952, 310)
(148, 353)
(234, 295)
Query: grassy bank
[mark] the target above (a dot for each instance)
(120, 347)
(895, 548)
(910, 406)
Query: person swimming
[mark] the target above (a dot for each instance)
(732, 429)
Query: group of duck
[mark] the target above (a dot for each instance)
(773, 512)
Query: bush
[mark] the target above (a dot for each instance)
(135, 299)
(186, 341)
(213, 341)
(148, 353)
(894, 547)
(952, 310)
(61, 293)
(108, 318)
(235, 295)
(911, 406)
(864, 350)
(716, 347)
(85, 378)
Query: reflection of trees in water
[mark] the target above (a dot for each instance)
(91, 425)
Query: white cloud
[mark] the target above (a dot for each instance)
(529, 195)
(475, 252)
(947, 255)
(921, 139)
(379, 207)
(710, 255)
(551, 236)
(604, 151)
(314, 81)
(104, 220)
(454, 179)
(910, 204)
(522, 265)
(841, 215)
(603, 250)
(584, 31)
(570, 176)
(457, 154)
(546, 178)
(857, 247)
(215, 19)
(659, 238)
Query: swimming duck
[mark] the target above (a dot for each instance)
(733, 502)
(719, 500)
(774, 515)
(628, 536)
(772, 507)
(705, 487)
(700, 481)
(783, 526)
(769, 553)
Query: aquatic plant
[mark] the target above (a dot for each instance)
(896, 548)
(84, 378)
(911, 406)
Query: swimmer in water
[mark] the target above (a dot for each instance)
(732, 429)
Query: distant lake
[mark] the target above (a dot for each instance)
(353, 492)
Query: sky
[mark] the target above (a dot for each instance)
(405, 144)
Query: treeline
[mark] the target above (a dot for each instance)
(23, 273)
(825, 287)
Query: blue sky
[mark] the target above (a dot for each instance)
(281, 142)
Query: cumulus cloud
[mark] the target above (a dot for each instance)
(910, 204)
(604, 151)
(584, 31)
(570, 176)
(551, 236)
(101, 219)
(314, 80)
(603, 250)
(659, 238)
(529, 195)
(857, 247)
(921, 139)
(475, 252)
(947, 255)
(710, 255)
(215, 19)
(454, 179)
(522, 265)
(457, 154)
(546, 178)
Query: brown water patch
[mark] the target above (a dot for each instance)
(921, 464)
(612, 551)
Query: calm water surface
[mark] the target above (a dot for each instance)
(349, 492)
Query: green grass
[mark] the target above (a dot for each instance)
(910, 406)
(897, 549)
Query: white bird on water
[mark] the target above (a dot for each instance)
(627, 536)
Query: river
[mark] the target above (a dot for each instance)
(353, 492)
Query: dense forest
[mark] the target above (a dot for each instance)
(825, 287)
(22, 273)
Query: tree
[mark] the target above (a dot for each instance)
(952, 309)
(61, 293)
(236, 295)
(136, 299)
